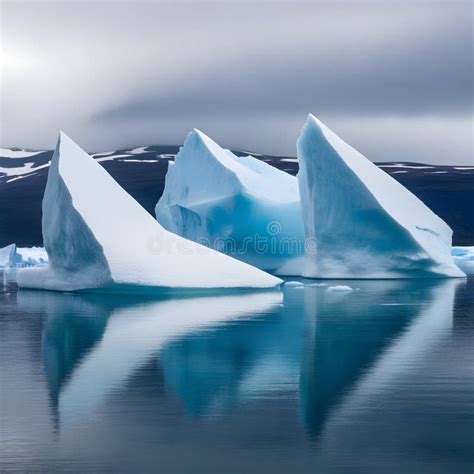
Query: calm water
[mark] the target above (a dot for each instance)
(380, 379)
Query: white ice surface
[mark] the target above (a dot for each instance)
(7, 256)
(98, 236)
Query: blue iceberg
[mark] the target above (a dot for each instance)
(363, 223)
(240, 206)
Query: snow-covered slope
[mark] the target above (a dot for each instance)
(18, 153)
(18, 164)
(363, 223)
(447, 190)
(97, 236)
(239, 205)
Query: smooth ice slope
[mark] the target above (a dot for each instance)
(7, 256)
(238, 205)
(97, 236)
(364, 223)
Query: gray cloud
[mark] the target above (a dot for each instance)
(391, 77)
(418, 73)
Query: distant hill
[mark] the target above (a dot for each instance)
(447, 190)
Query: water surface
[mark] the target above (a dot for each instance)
(379, 379)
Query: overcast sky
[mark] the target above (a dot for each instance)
(393, 78)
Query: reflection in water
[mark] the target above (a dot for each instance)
(385, 400)
(92, 345)
(313, 362)
(221, 368)
(348, 335)
(72, 326)
(88, 358)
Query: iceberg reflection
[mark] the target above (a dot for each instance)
(374, 333)
(328, 352)
(92, 344)
(406, 373)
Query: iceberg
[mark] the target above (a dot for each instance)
(98, 237)
(360, 222)
(464, 258)
(12, 256)
(7, 256)
(238, 205)
(31, 256)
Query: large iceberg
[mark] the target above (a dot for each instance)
(360, 221)
(97, 236)
(238, 205)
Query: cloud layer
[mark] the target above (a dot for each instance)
(393, 78)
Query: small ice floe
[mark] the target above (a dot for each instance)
(317, 284)
(294, 284)
(340, 288)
